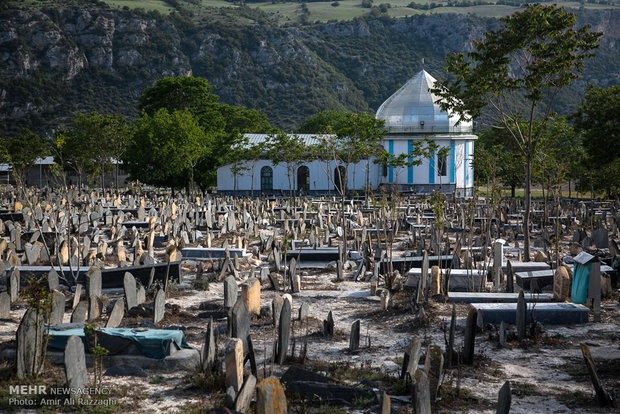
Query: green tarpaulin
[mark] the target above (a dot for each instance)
(153, 343)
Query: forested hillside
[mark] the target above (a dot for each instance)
(57, 61)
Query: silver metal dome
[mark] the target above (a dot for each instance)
(412, 109)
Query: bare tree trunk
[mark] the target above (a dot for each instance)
(528, 204)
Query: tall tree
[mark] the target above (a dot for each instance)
(597, 121)
(166, 148)
(288, 149)
(21, 151)
(322, 121)
(516, 73)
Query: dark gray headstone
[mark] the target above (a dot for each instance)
(240, 323)
(208, 351)
(231, 291)
(328, 325)
(94, 307)
(504, 399)
(435, 358)
(502, 334)
(117, 314)
(284, 332)
(470, 336)
(600, 237)
(354, 339)
(450, 350)
(521, 317)
(304, 311)
(159, 306)
(75, 363)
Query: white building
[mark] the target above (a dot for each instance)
(410, 114)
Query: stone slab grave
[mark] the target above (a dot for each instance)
(495, 297)
(140, 225)
(208, 253)
(308, 257)
(540, 278)
(40, 271)
(114, 277)
(546, 313)
(518, 267)
(460, 279)
(405, 263)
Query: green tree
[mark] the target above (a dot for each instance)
(21, 151)
(165, 148)
(516, 73)
(597, 121)
(322, 122)
(288, 149)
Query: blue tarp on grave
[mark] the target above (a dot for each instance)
(153, 343)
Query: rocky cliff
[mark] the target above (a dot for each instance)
(59, 61)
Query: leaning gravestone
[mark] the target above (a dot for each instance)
(5, 305)
(29, 339)
(75, 363)
(77, 295)
(79, 313)
(504, 399)
(116, 316)
(129, 286)
(58, 307)
(159, 306)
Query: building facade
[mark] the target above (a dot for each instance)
(411, 114)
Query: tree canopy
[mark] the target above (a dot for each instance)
(21, 151)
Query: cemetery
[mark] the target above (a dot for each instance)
(386, 303)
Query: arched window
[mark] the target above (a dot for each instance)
(266, 179)
(340, 179)
(303, 178)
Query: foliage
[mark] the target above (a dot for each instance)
(516, 72)
(21, 152)
(39, 299)
(166, 148)
(97, 351)
(597, 121)
(288, 149)
(323, 122)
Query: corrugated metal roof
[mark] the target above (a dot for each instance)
(309, 139)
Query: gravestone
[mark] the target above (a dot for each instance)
(117, 314)
(504, 399)
(470, 336)
(604, 398)
(58, 307)
(79, 313)
(521, 317)
(502, 334)
(5, 305)
(230, 291)
(14, 280)
(141, 295)
(421, 394)
(93, 282)
(270, 397)
(77, 295)
(52, 280)
(29, 338)
(411, 358)
(250, 293)
(75, 363)
(131, 294)
(234, 363)
(384, 404)
(208, 351)
(159, 307)
(435, 370)
(304, 311)
(328, 326)
(94, 307)
(450, 349)
(239, 323)
(284, 333)
(600, 237)
(354, 339)
(246, 394)
(276, 308)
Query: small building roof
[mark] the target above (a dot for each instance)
(414, 109)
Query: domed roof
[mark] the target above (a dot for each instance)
(413, 108)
